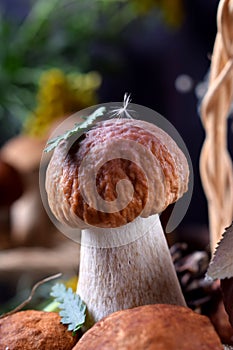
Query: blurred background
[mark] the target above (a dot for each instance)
(60, 56)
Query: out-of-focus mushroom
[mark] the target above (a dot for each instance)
(125, 260)
(227, 292)
(23, 152)
(29, 222)
(11, 187)
(220, 320)
(32, 330)
(163, 327)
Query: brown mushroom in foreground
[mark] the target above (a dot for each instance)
(163, 327)
(33, 330)
(125, 260)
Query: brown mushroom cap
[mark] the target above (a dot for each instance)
(32, 330)
(11, 187)
(23, 152)
(150, 327)
(124, 149)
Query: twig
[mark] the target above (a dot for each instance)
(25, 302)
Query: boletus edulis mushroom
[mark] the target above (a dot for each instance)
(112, 183)
(29, 222)
(11, 186)
(32, 330)
(150, 327)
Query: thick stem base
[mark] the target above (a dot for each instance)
(138, 273)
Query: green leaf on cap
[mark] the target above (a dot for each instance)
(78, 127)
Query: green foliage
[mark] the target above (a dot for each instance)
(61, 34)
(73, 309)
(55, 33)
(78, 128)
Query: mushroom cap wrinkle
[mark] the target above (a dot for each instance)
(118, 170)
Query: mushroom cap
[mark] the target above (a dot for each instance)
(160, 326)
(32, 330)
(84, 182)
(11, 186)
(23, 152)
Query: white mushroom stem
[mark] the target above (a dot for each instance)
(115, 276)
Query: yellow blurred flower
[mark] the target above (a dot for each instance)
(172, 10)
(60, 95)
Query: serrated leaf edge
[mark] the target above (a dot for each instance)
(83, 126)
(212, 274)
(64, 297)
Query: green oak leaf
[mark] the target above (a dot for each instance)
(72, 308)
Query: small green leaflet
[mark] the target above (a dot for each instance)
(73, 309)
(84, 126)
